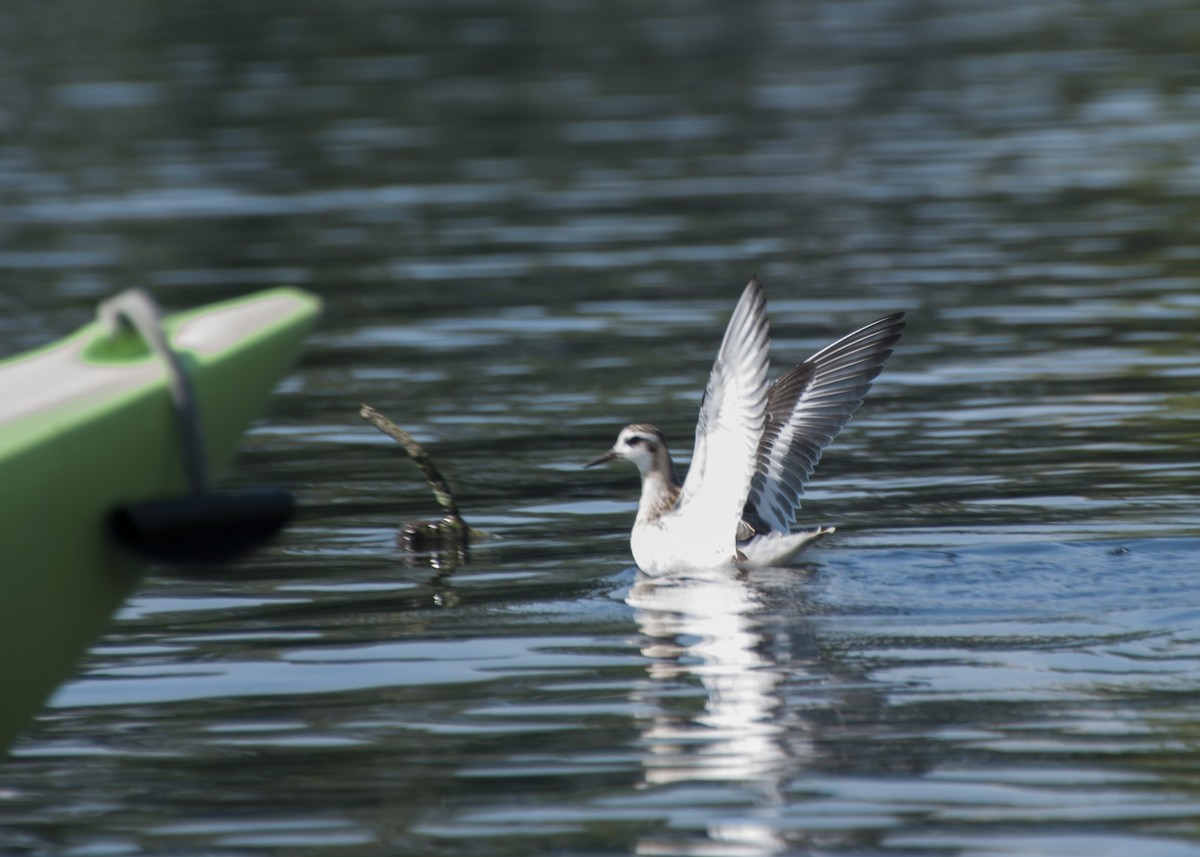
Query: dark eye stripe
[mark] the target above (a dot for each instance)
(633, 441)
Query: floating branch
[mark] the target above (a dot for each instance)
(441, 491)
(445, 541)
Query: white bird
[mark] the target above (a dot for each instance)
(756, 446)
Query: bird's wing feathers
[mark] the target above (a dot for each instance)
(806, 408)
(730, 424)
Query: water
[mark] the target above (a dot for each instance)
(530, 223)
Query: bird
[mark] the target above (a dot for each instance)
(756, 446)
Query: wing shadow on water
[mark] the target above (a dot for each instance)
(753, 657)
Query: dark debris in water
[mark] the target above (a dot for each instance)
(444, 543)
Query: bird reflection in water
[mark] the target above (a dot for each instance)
(705, 626)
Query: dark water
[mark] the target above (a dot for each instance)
(530, 222)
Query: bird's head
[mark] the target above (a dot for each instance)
(642, 444)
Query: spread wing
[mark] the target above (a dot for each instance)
(806, 408)
(730, 424)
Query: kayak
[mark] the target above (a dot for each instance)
(89, 427)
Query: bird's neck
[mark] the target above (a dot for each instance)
(660, 491)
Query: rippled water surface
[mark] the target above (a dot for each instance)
(530, 222)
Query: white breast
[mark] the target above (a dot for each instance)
(674, 542)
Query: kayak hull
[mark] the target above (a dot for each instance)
(110, 437)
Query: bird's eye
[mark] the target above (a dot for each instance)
(633, 441)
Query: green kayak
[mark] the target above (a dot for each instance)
(92, 432)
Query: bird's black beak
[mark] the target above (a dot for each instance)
(608, 456)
